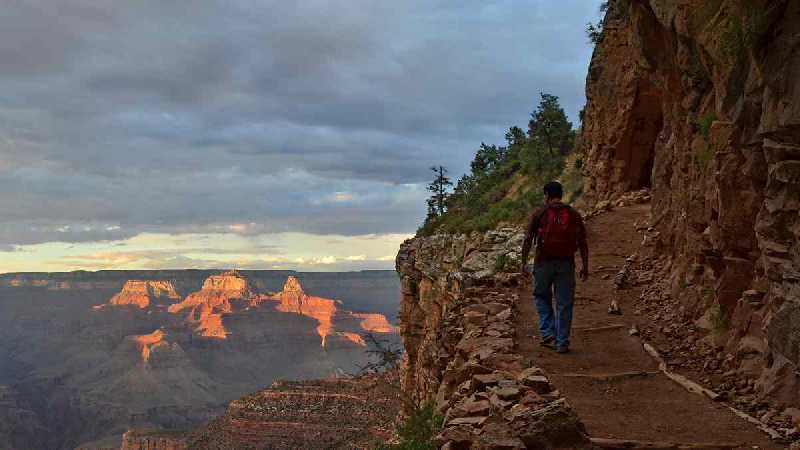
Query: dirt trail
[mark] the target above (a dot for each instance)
(649, 407)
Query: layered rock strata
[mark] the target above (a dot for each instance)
(341, 414)
(457, 326)
(699, 100)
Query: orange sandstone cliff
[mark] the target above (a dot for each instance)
(331, 320)
(143, 293)
(293, 299)
(145, 342)
(216, 298)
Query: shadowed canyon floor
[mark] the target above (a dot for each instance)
(649, 407)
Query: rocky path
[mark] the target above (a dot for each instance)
(612, 383)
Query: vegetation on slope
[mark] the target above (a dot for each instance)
(504, 182)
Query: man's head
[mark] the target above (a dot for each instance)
(553, 191)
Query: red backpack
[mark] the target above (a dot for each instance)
(558, 232)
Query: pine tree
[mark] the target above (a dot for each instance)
(439, 187)
(549, 126)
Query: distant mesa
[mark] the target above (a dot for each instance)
(217, 296)
(230, 293)
(143, 293)
(157, 352)
(217, 293)
(375, 323)
(293, 299)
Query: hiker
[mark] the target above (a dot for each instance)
(559, 233)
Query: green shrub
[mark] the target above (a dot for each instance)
(504, 183)
(704, 124)
(500, 263)
(745, 32)
(418, 430)
(732, 41)
(719, 319)
(594, 32)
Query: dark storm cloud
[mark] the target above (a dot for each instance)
(121, 117)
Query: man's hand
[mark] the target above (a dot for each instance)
(584, 273)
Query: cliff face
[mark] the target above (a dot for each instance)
(457, 324)
(698, 100)
(432, 272)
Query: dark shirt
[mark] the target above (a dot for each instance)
(532, 232)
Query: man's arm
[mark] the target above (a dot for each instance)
(530, 233)
(583, 247)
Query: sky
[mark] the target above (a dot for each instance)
(257, 134)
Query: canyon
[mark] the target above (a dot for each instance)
(690, 156)
(89, 356)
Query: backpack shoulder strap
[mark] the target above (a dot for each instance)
(541, 213)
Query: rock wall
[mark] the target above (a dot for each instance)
(457, 324)
(698, 100)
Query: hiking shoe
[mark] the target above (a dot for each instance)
(549, 342)
(562, 350)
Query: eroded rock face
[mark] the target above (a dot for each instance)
(698, 101)
(457, 326)
(145, 342)
(143, 293)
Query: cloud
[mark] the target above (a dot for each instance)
(299, 251)
(123, 118)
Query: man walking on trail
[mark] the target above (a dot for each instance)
(559, 232)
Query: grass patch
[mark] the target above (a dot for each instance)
(572, 180)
